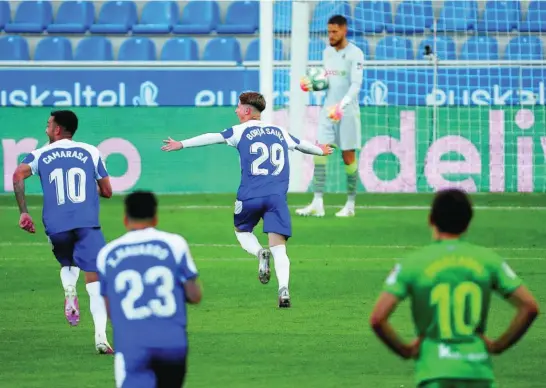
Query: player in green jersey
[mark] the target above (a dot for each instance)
(450, 284)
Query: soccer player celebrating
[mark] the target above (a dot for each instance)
(450, 284)
(340, 117)
(146, 278)
(263, 148)
(69, 172)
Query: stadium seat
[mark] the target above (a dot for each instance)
(222, 49)
(31, 17)
(372, 16)
(94, 48)
(522, 48)
(242, 17)
(393, 48)
(412, 17)
(198, 17)
(535, 21)
(53, 49)
(5, 14)
(316, 47)
(480, 48)
(13, 48)
(115, 17)
(253, 50)
(137, 49)
(445, 48)
(282, 16)
(500, 16)
(180, 49)
(158, 17)
(458, 15)
(73, 17)
(362, 44)
(324, 10)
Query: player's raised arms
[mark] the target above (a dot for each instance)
(265, 171)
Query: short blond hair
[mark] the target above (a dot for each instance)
(254, 99)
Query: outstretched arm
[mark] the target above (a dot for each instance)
(312, 149)
(197, 141)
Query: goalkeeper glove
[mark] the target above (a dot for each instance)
(335, 113)
(306, 84)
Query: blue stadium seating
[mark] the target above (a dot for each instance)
(53, 49)
(326, 9)
(5, 14)
(536, 17)
(458, 15)
(73, 17)
(94, 48)
(223, 49)
(180, 49)
(253, 50)
(480, 48)
(282, 16)
(31, 17)
(372, 16)
(115, 17)
(14, 48)
(237, 18)
(393, 48)
(412, 17)
(524, 48)
(443, 46)
(316, 47)
(198, 17)
(137, 49)
(158, 17)
(500, 16)
(243, 17)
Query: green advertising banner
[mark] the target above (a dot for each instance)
(404, 149)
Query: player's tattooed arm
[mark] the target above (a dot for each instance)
(379, 321)
(22, 172)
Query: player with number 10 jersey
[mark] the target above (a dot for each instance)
(72, 175)
(265, 173)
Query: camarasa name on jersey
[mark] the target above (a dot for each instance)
(65, 154)
(120, 254)
(264, 131)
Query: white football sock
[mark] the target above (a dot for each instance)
(69, 277)
(351, 201)
(282, 265)
(249, 242)
(98, 309)
(317, 200)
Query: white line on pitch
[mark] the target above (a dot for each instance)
(336, 259)
(361, 207)
(361, 246)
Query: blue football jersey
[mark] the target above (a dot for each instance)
(142, 274)
(68, 172)
(263, 150)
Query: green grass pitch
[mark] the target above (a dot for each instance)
(238, 337)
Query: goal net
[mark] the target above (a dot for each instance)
(453, 92)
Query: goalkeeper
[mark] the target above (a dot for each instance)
(339, 123)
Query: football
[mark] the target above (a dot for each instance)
(318, 78)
